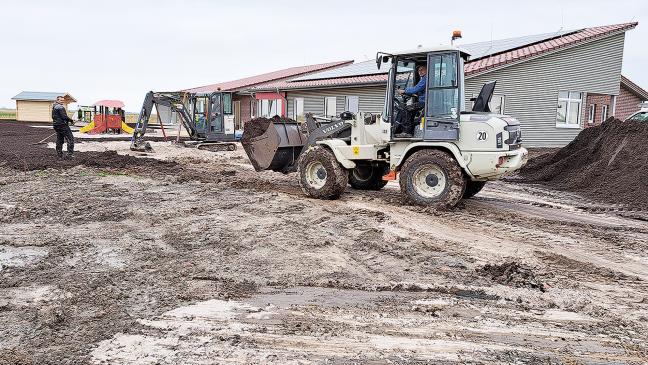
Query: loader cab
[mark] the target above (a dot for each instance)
(434, 113)
(209, 113)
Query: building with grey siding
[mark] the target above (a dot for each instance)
(556, 84)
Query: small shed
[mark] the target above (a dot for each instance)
(34, 106)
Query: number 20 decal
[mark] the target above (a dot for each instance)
(482, 136)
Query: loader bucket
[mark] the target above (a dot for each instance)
(273, 144)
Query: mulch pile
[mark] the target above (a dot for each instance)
(608, 162)
(17, 151)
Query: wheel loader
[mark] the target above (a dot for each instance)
(449, 155)
(207, 118)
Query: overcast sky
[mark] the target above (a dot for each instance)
(121, 49)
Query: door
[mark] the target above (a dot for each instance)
(237, 115)
(443, 96)
(200, 114)
(215, 113)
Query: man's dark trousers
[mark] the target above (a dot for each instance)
(64, 134)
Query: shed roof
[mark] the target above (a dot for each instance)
(486, 56)
(267, 77)
(42, 96)
(634, 88)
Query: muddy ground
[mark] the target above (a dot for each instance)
(197, 259)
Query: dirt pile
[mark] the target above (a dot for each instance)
(608, 162)
(512, 274)
(18, 151)
(255, 128)
(258, 126)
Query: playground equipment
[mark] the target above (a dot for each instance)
(108, 116)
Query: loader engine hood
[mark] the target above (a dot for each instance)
(481, 131)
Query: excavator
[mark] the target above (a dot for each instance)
(207, 118)
(449, 155)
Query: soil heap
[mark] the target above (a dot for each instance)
(608, 162)
(257, 126)
(19, 151)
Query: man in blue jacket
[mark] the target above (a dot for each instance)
(407, 116)
(418, 89)
(63, 132)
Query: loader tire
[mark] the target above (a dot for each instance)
(320, 174)
(367, 177)
(472, 188)
(432, 178)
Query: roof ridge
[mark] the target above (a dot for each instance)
(557, 36)
(544, 47)
(325, 65)
(634, 87)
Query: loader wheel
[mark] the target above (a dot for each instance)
(321, 175)
(367, 177)
(432, 178)
(472, 188)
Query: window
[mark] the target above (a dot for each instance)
(253, 108)
(268, 108)
(569, 109)
(590, 115)
(329, 106)
(443, 93)
(298, 110)
(604, 113)
(351, 104)
(227, 103)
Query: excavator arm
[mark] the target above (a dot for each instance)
(174, 102)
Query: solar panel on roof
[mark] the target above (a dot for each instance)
(484, 49)
(476, 50)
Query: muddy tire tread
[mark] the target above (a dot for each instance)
(337, 176)
(454, 174)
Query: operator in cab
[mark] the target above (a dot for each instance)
(408, 116)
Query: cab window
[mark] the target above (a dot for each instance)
(443, 91)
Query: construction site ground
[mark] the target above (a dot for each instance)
(185, 256)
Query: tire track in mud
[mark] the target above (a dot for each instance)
(232, 232)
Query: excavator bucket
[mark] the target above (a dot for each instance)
(273, 144)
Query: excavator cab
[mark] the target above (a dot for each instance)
(212, 116)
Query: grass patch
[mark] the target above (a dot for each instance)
(7, 113)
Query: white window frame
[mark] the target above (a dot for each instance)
(604, 112)
(591, 113)
(570, 101)
(296, 112)
(348, 103)
(332, 100)
(268, 108)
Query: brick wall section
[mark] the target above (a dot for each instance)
(245, 106)
(598, 100)
(627, 103)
